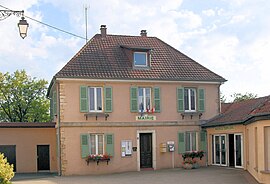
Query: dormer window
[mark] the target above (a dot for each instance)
(140, 59)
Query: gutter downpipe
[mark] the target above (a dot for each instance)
(58, 131)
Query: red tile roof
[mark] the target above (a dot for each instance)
(241, 112)
(105, 58)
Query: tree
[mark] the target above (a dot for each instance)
(6, 170)
(22, 98)
(238, 97)
(223, 99)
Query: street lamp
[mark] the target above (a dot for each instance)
(23, 25)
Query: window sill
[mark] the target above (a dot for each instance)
(96, 114)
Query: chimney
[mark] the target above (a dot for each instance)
(103, 30)
(143, 33)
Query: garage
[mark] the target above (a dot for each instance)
(9, 152)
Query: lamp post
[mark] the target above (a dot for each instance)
(23, 25)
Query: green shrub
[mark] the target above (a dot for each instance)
(6, 170)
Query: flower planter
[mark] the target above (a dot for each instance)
(187, 166)
(195, 166)
(98, 158)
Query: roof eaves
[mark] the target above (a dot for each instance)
(139, 79)
(50, 86)
(222, 124)
(257, 117)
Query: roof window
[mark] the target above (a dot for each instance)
(140, 59)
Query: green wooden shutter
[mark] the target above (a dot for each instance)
(201, 105)
(180, 99)
(181, 142)
(133, 99)
(203, 141)
(83, 99)
(109, 138)
(157, 99)
(84, 145)
(108, 99)
(54, 103)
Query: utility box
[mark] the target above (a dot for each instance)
(163, 147)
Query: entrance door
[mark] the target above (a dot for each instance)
(43, 157)
(10, 153)
(238, 150)
(231, 151)
(146, 150)
(220, 157)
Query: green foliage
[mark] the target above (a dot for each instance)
(22, 98)
(6, 170)
(223, 99)
(193, 154)
(238, 97)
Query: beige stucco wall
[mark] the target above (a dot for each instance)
(26, 141)
(258, 150)
(73, 123)
(70, 110)
(230, 129)
(75, 165)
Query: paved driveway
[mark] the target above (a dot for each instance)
(206, 175)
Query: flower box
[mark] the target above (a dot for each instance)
(98, 158)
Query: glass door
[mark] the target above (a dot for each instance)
(238, 150)
(219, 147)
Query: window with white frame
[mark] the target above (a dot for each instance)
(144, 99)
(96, 144)
(95, 99)
(140, 59)
(190, 141)
(190, 99)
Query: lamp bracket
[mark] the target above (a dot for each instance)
(6, 13)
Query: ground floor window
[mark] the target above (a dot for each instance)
(97, 144)
(190, 140)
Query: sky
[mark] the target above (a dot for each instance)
(229, 37)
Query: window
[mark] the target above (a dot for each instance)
(140, 59)
(96, 144)
(144, 99)
(190, 99)
(95, 99)
(190, 141)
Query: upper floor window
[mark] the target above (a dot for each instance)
(190, 99)
(140, 59)
(95, 99)
(144, 99)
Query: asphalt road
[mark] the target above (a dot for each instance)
(204, 175)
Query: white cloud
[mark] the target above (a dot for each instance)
(209, 12)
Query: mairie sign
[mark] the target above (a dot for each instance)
(146, 118)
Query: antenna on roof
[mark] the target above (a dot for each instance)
(86, 22)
